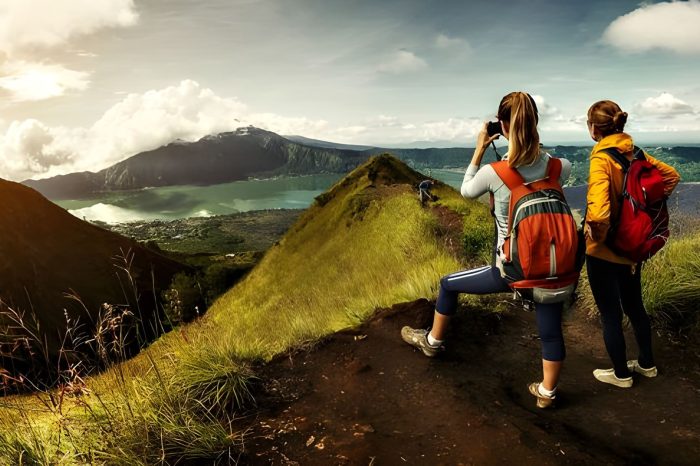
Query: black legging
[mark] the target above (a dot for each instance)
(616, 290)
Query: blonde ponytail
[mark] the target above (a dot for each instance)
(519, 110)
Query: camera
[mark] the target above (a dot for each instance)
(493, 128)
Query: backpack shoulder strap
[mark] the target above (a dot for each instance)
(554, 168)
(639, 153)
(618, 157)
(510, 176)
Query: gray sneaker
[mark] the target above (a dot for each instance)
(542, 400)
(634, 366)
(608, 376)
(418, 337)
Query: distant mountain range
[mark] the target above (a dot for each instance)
(253, 152)
(237, 155)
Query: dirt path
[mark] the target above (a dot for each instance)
(366, 397)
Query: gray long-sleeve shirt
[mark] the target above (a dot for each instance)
(479, 181)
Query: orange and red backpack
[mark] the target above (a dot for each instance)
(541, 254)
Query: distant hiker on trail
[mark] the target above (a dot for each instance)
(424, 191)
(525, 169)
(615, 276)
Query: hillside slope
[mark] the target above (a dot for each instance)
(365, 243)
(48, 253)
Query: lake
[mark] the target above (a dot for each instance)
(173, 202)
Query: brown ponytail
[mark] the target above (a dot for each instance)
(607, 117)
(519, 110)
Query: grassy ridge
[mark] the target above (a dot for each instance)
(366, 243)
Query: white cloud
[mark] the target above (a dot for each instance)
(664, 104)
(287, 125)
(403, 61)
(445, 42)
(452, 129)
(672, 26)
(25, 81)
(544, 108)
(50, 23)
(139, 122)
(28, 28)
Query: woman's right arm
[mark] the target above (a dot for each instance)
(598, 200)
(477, 181)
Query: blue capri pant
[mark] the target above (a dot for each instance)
(487, 280)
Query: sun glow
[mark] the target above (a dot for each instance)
(37, 81)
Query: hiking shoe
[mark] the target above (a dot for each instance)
(634, 366)
(608, 376)
(542, 400)
(418, 337)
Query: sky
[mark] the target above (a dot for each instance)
(87, 83)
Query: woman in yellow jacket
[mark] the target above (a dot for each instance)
(616, 281)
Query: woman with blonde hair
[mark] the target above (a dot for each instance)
(615, 280)
(517, 114)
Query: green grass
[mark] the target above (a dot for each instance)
(307, 288)
(366, 243)
(670, 285)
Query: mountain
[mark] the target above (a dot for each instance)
(253, 152)
(326, 144)
(48, 253)
(213, 159)
(237, 155)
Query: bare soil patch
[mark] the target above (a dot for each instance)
(365, 397)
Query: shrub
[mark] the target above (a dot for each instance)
(183, 300)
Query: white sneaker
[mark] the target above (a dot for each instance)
(608, 376)
(634, 366)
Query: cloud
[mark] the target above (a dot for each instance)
(451, 129)
(545, 109)
(28, 28)
(664, 104)
(187, 111)
(403, 61)
(671, 26)
(287, 125)
(139, 122)
(49, 23)
(445, 42)
(25, 81)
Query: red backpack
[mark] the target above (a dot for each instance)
(641, 227)
(541, 250)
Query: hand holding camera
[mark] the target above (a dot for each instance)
(493, 128)
(489, 133)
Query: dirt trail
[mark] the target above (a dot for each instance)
(365, 397)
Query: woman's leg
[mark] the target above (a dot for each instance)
(484, 280)
(604, 278)
(633, 306)
(548, 318)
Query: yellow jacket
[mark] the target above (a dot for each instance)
(604, 191)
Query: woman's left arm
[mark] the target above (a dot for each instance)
(565, 171)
